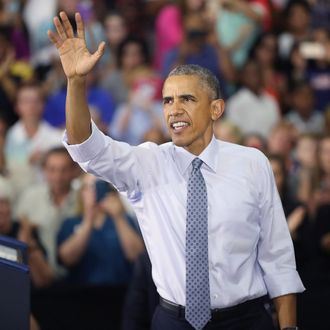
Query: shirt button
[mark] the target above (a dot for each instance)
(215, 296)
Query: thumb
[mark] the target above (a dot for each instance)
(99, 52)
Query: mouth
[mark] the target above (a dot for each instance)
(179, 126)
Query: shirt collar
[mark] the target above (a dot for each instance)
(183, 158)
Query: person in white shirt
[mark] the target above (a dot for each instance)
(249, 249)
(29, 138)
(251, 108)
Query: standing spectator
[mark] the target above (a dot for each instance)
(238, 24)
(297, 19)
(142, 112)
(197, 49)
(98, 246)
(132, 54)
(304, 175)
(295, 212)
(303, 115)
(169, 26)
(41, 273)
(46, 205)
(116, 31)
(265, 53)
(97, 96)
(29, 138)
(281, 141)
(251, 109)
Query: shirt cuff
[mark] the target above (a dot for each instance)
(88, 149)
(284, 283)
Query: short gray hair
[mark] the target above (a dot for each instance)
(205, 76)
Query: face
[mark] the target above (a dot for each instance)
(59, 172)
(280, 141)
(189, 112)
(4, 215)
(251, 77)
(132, 56)
(298, 18)
(29, 103)
(303, 100)
(306, 151)
(266, 51)
(115, 29)
(194, 5)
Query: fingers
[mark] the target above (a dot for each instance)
(100, 51)
(67, 24)
(80, 26)
(54, 39)
(59, 28)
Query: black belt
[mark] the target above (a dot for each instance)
(217, 313)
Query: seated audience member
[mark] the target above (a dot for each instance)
(47, 204)
(142, 112)
(41, 273)
(98, 246)
(226, 131)
(29, 138)
(142, 297)
(303, 115)
(251, 109)
(96, 96)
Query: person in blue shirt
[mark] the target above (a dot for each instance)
(99, 246)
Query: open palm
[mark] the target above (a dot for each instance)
(75, 57)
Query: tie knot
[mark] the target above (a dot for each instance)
(197, 163)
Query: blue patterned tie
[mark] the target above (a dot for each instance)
(198, 305)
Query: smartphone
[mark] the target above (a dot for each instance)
(312, 50)
(102, 188)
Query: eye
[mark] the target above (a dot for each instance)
(187, 98)
(167, 100)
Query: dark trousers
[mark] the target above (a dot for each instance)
(254, 318)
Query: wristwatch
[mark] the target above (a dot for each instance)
(291, 328)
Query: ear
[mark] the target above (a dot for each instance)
(217, 109)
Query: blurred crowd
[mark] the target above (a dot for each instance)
(272, 58)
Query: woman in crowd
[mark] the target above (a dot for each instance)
(98, 247)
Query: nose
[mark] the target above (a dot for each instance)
(175, 109)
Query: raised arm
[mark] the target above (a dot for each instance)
(77, 62)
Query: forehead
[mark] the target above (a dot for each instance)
(58, 159)
(183, 84)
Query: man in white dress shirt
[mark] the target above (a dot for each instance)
(249, 250)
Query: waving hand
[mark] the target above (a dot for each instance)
(75, 57)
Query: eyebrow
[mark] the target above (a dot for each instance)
(183, 96)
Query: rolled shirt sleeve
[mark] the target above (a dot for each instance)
(275, 248)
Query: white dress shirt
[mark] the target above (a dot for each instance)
(250, 249)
